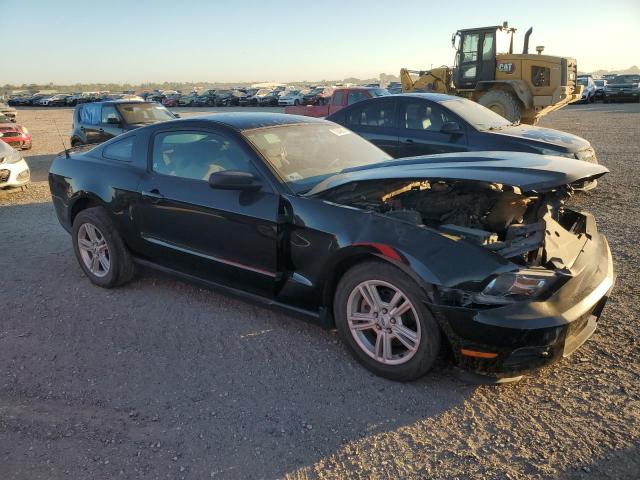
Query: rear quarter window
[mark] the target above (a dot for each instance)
(121, 150)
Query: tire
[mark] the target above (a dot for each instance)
(363, 343)
(120, 264)
(503, 103)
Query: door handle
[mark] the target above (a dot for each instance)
(101, 129)
(153, 195)
(408, 140)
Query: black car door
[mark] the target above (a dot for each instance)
(227, 236)
(421, 129)
(375, 120)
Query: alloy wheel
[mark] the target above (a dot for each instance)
(383, 322)
(94, 250)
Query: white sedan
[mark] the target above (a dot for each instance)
(14, 171)
(292, 97)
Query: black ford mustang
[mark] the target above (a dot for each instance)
(473, 249)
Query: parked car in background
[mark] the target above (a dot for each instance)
(8, 111)
(57, 100)
(99, 121)
(340, 98)
(290, 97)
(187, 100)
(589, 90)
(14, 134)
(14, 171)
(622, 88)
(601, 84)
(471, 250)
(267, 97)
(413, 124)
(171, 101)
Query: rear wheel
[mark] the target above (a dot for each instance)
(380, 315)
(502, 102)
(100, 249)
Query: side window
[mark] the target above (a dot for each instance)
(487, 47)
(470, 47)
(109, 112)
(423, 116)
(374, 114)
(338, 97)
(90, 114)
(356, 96)
(122, 150)
(197, 154)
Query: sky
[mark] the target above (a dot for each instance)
(139, 41)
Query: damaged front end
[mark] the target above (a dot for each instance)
(544, 305)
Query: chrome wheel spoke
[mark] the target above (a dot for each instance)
(95, 263)
(406, 336)
(361, 321)
(104, 262)
(84, 244)
(400, 310)
(91, 232)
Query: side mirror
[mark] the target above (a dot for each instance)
(234, 180)
(113, 121)
(451, 128)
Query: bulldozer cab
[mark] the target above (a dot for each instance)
(476, 50)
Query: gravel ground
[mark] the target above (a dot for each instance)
(162, 379)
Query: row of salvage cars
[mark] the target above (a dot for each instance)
(470, 252)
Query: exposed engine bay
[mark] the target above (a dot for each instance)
(495, 216)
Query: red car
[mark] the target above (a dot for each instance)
(340, 98)
(170, 102)
(14, 134)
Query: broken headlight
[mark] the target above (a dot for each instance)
(513, 286)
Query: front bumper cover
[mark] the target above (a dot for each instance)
(14, 174)
(527, 335)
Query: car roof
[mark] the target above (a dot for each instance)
(251, 120)
(122, 100)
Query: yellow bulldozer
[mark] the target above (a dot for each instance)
(520, 87)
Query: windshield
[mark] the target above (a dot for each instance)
(480, 117)
(144, 112)
(4, 118)
(263, 91)
(599, 83)
(304, 155)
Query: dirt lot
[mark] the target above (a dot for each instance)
(162, 379)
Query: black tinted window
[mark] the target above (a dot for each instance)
(121, 150)
(373, 114)
(196, 155)
(423, 116)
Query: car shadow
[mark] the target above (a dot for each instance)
(216, 382)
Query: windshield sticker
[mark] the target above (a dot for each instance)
(339, 131)
(271, 138)
(294, 176)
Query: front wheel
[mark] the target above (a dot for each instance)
(100, 250)
(381, 316)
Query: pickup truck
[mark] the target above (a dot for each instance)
(340, 98)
